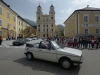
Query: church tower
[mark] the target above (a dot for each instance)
(39, 12)
(52, 12)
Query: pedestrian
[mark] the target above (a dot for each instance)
(93, 42)
(0, 40)
(80, 42)
(97, 43)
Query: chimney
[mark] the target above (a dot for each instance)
(87, 6)
(8, 6)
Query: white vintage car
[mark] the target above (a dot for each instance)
(51, 51)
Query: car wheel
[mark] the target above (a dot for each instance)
(29, 56)
(66, 64)
(13, 44)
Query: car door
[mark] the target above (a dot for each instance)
(47, 54)
(35, 50)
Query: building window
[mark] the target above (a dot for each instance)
(52, 25)
(8, 25)
(19, 22)
(97, 31)
(14, 18)
(85, 18)
(51, 12)
(72, 21)
(47, 30)
(43, 35)
(38, 12)
(0, 10)
(86, 31)
(8, 14)
(52, 29)
(38, 18)
(43, 25)
(38, 25)
(96, 18)
(44, 30)
(69, 33)
(68, 24)
(0, 33)
(14, 27)
(47, 25)
(51, 17)
(72, 31)
(39, 30)
(0, 22)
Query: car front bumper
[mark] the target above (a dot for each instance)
(79, 62)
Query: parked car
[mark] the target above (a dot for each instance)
(28, 39)
(35, 38)
(19, 41)
(51, 51)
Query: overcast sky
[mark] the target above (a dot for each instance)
(63, 8)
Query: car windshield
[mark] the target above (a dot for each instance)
(55, 44)
(20, 39)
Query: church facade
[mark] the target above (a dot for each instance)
(45, 22)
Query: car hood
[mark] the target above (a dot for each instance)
(71, 51)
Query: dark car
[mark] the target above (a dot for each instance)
(19, 41)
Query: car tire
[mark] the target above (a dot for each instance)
(14, 44)
(66, 63)
(29, 56)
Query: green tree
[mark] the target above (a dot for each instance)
(28, 31)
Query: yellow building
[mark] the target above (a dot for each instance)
(11, 24)
(83, 22)
(45, 23)
(56, 30)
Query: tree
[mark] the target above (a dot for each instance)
(28, 31)
(61, 32)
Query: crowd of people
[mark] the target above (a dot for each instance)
(79, 42)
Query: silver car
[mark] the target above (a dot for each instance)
(51, 51)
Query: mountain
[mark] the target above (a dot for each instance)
(31, 22)
(60, 27)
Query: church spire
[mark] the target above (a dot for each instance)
(39, 5)
(51, 5)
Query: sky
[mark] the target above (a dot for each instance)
(63, 8)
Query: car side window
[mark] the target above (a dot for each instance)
(52, 48)
(43, 45)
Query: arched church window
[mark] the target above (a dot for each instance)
(51, 12)
(51, 17)
(38, 18)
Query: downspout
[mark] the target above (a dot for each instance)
(16, 28)
(77, 23)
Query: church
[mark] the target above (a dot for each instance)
(45, 22)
